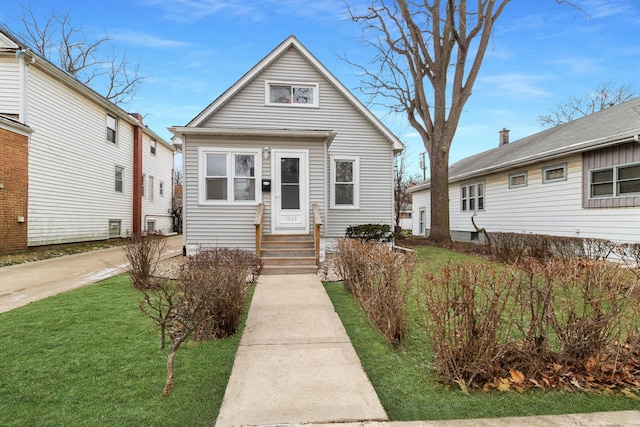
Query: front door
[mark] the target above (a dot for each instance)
(290, 192)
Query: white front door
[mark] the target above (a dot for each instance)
(289, 197)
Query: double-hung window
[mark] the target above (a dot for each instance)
(150, 191)
(119, 178)
(472, 197)
(615, 181)
(345, 182)
(153, 146)
(295, 94)
(230, 176)
(112, 127)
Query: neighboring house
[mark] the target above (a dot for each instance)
(75, 167)
(286, 137)
(579, 179)
(406, 223)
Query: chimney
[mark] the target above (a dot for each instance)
(504, 137)
(137, 116)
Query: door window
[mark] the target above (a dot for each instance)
(290, 182)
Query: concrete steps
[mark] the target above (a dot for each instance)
(288, 254)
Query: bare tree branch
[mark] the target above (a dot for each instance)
(603, 96)
(426, 58)
(67, 46)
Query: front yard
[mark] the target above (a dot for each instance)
(90, 357)
(405, 377)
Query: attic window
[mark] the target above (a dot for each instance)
(295, 94)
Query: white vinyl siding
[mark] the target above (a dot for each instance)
(232, 224)
(76, 202)
(354, 134)
(11, 87)
(540, 208)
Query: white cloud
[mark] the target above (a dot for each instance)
(515, 84)
(135, 38)
(607, 8)
(255, 10)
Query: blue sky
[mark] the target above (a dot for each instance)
(193, 50)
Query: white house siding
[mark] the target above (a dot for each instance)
(157, 208)
(355, 136)
(551, 208)
(420, 200)
(72, 193)
(232, 225)
(10, 85)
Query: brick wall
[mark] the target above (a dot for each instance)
(14, 180)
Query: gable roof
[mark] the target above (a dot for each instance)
(292, 42)
(613, 125)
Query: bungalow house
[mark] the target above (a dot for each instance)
(287, 153)
(579, 179)
(75, 167)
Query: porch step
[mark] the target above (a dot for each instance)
(288, 254)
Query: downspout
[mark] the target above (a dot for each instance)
(636, 138)
(137, 179)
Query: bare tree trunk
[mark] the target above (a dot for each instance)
(172, 354)
(440, 229)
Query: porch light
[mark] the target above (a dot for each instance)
(266, 153)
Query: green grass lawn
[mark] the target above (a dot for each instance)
(405, 380)
(89, 357)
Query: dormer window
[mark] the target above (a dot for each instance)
(295, 94)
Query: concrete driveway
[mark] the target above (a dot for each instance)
(25, 283)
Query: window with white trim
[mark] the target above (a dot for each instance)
(615, 181)
(112, 127)
(517, 180)
(472, 197)
(295, 94)
(230, 176)
(153, 146)
(345, 182)
(554, 173)
(119, 179)
(161, 188)
(144, 179)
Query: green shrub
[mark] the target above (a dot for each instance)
(370, 232)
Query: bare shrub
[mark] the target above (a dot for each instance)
(212, 290)
(463, 311)
(378, 277)
(598, 249)
(143, 251)
(219, 278)
(590, 314)
(508, 247)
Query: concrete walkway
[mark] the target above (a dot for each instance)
(295, 363)
(22, 284)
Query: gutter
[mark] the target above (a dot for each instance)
(576, 148)
(551, 154)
